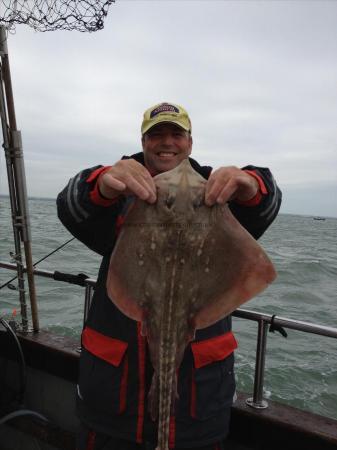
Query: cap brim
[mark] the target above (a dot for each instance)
(157, 122)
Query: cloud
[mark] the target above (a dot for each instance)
(258, 79)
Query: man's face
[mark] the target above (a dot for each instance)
(165, 146)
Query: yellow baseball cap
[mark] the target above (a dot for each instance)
(166, 112)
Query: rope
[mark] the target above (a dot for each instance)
(23, 412)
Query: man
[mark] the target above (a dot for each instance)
(115, 371)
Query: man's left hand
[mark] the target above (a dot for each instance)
(230, 183)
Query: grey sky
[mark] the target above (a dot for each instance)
(259, 80)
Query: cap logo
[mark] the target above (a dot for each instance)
(164, 108)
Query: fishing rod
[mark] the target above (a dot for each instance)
(37, 262)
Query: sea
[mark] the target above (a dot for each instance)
(301, 370)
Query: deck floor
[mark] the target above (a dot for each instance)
(13, 439)
(231, 445)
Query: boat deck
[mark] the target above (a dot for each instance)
(52, 371)
(19, 439)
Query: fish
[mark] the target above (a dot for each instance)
(178, 266)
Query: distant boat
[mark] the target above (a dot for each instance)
(319, 218)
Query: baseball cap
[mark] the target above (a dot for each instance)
(166, 112)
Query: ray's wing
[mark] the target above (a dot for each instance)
(136, 268)
(231, 266)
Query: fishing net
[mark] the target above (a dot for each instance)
(50, 15)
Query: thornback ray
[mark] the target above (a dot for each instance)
(179, 265)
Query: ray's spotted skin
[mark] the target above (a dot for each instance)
(178, 266)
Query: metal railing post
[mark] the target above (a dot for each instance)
(257, 400)
(17, 185)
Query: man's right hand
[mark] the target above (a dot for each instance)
(127, 177)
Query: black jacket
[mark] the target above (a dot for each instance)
(115, 371)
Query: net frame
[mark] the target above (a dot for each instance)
(51, 15)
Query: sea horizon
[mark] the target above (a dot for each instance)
(309, 215)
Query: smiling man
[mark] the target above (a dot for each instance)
(166, 144)
(115, 370)
(167, 140)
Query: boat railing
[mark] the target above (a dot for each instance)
(264, 321)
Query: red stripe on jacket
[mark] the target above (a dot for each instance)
(172, 424)
(95, 195)
(206, 352)
(105, 347)
(91, 439)
(258, 196)
(141, 377)
(172, 432)
(213, 349)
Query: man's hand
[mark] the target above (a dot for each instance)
(127, 177)
(230, 183)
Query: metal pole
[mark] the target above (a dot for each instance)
(292, 324)
(17, 182)
(257, 400)
(12, 193)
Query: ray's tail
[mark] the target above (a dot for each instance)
(167, 391)
(167, 361)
